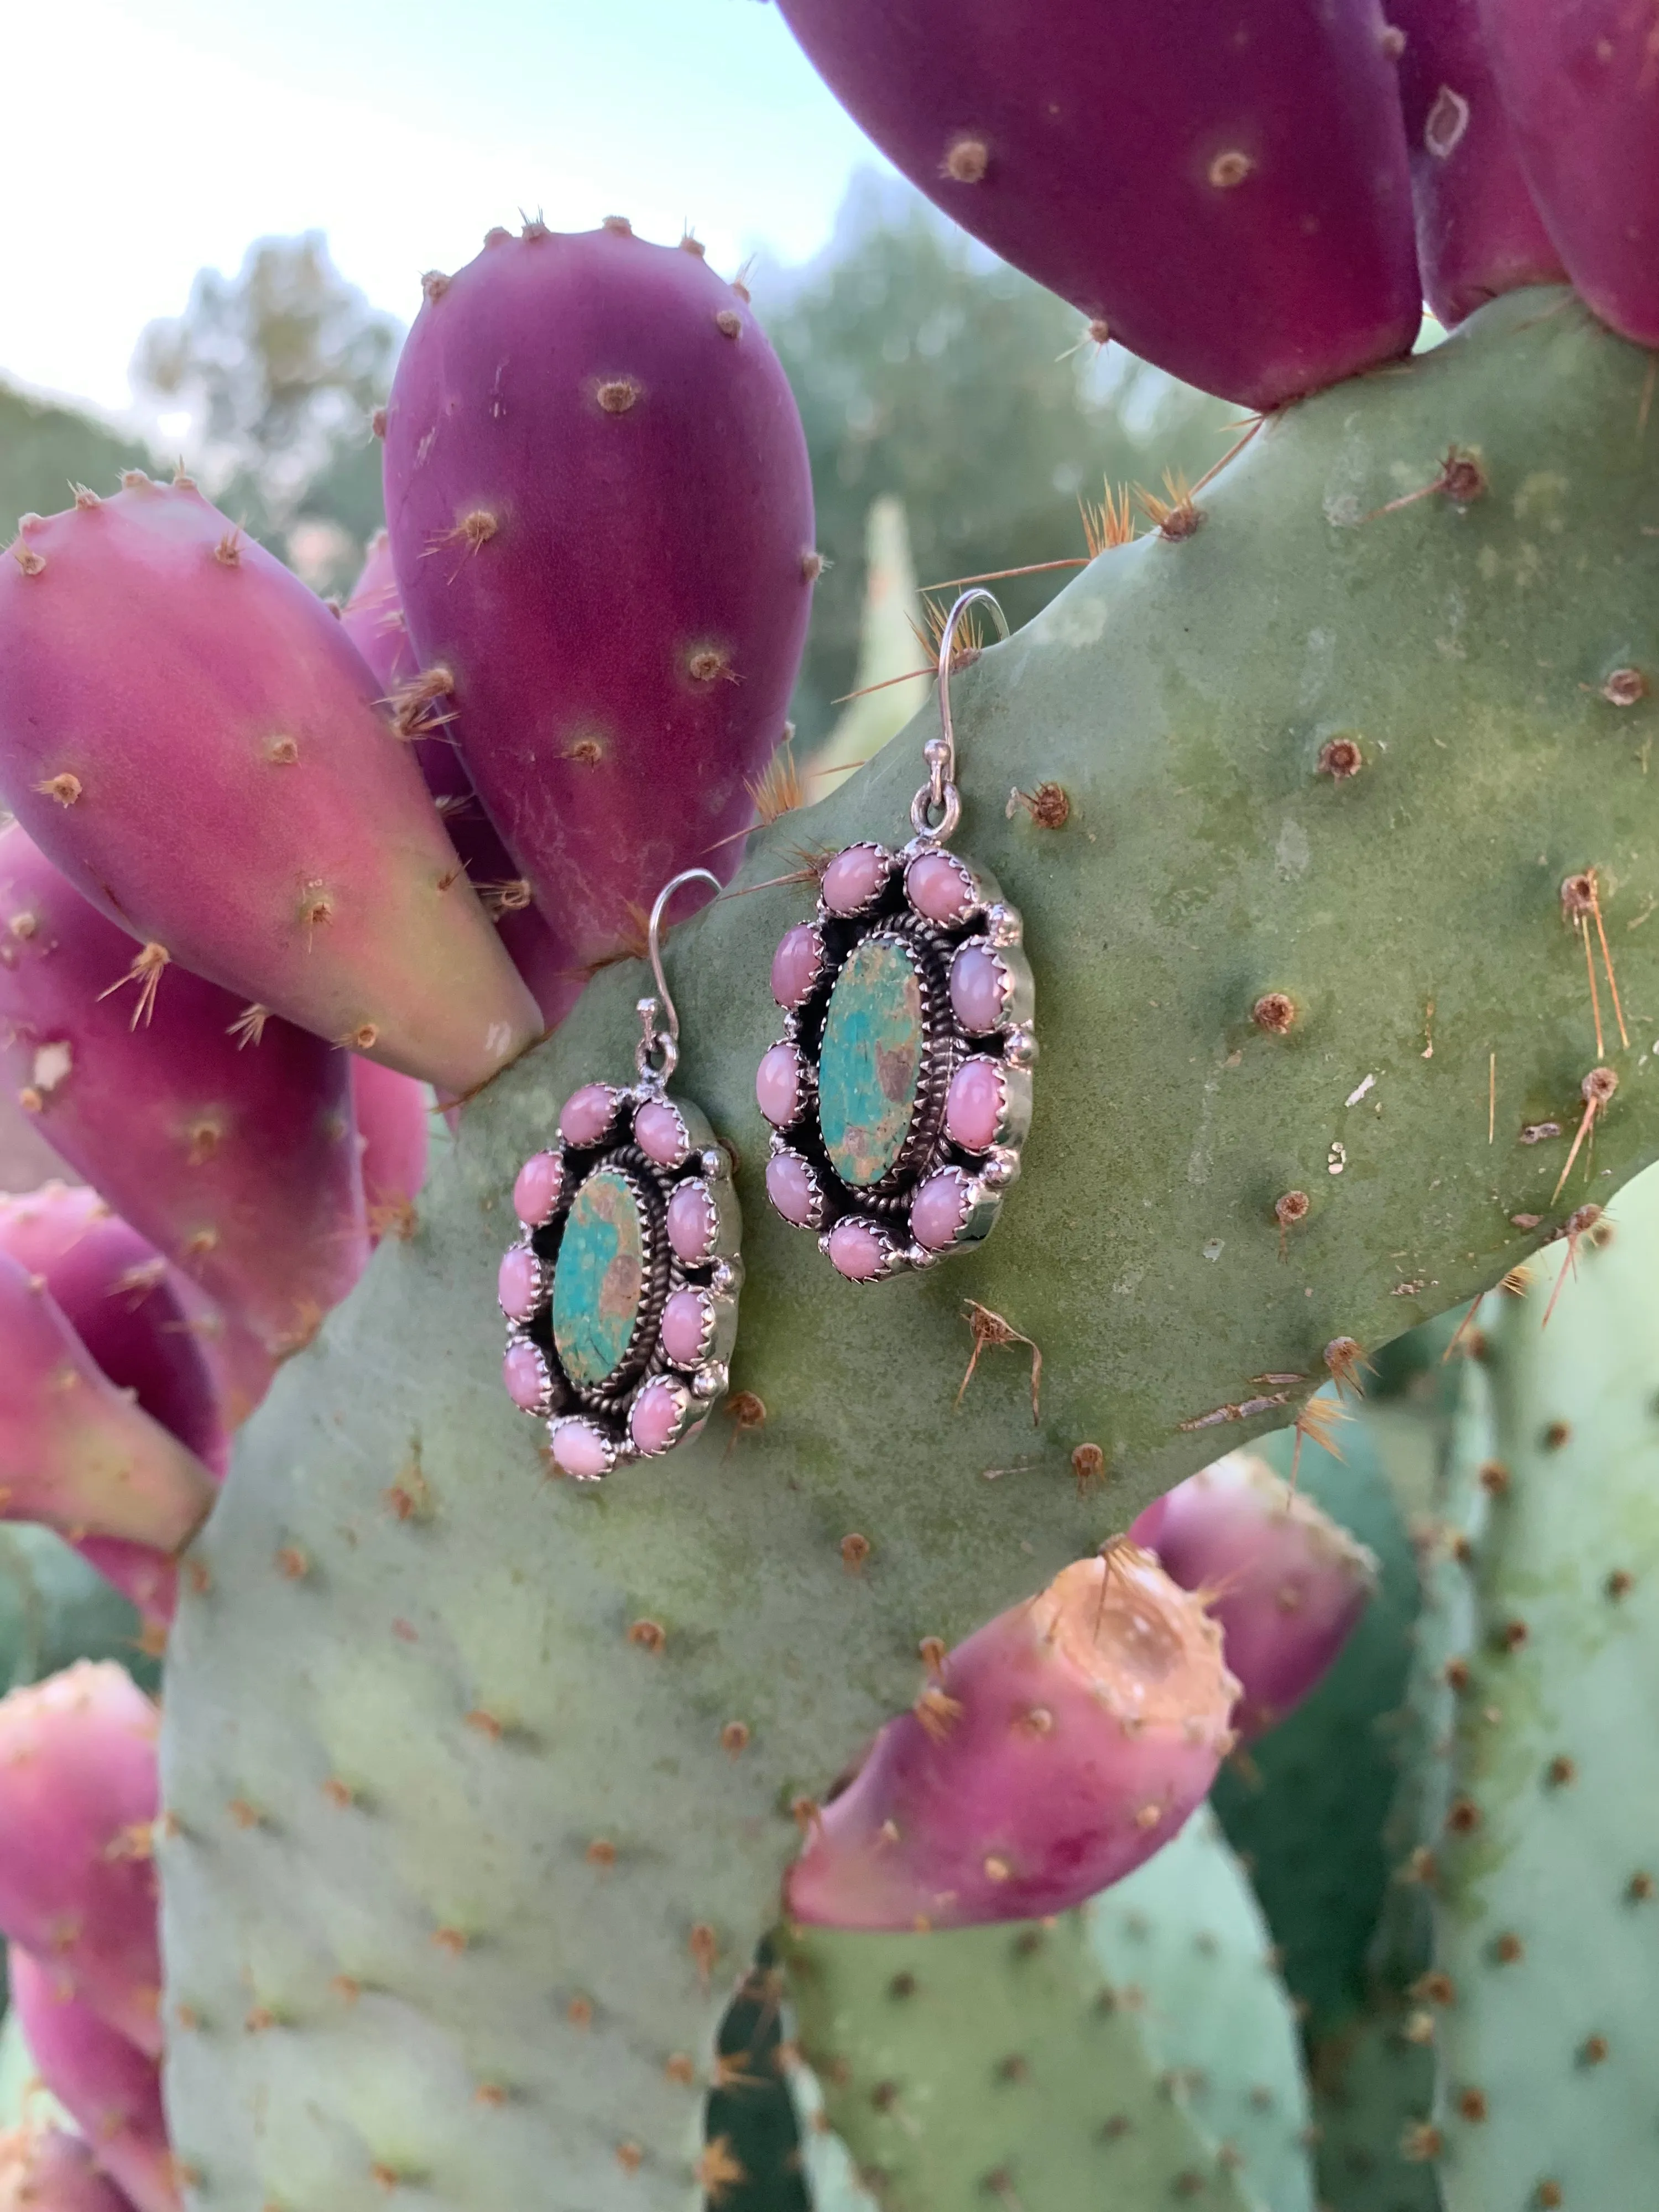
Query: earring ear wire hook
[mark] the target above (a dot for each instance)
(940, 795)
(664, 1040)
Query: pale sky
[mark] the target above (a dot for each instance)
(147, 139)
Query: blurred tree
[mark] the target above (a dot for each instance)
(44, 449)
(926, 370)
(278, 369)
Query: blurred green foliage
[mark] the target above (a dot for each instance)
(925, 369)
(279, 368)
(46, 450)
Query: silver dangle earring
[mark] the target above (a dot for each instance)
(621, 1295)
(900, 1093)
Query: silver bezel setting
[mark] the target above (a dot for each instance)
(605, 1408)
(987, 922)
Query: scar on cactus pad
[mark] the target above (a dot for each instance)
(1181, 693)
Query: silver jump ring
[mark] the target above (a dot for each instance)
(658, 1053)
(938, 796)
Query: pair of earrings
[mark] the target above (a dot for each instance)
(899, 1096)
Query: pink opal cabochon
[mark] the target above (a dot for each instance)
(858, 1250)
(795, 964)
(660, 1132)
(621, 1292)
(900, 1092)
(536, 1192)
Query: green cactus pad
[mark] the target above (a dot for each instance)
(1176, 1956)
(1306, 1806)
(1373, 2090)
(759, 2110)
(832, 2177)
(997, 2065)
(1547, 1901)
(455, 1824)
(54, 1608)
(1186, 1932)
(1374, 2068)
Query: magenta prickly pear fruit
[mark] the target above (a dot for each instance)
(225, 1138)
(1223, 190)
(374, 622)
(1478, 231)
(373, 618)
(1581, 83)
(601, 516)
(76, 1452)
(1056, 1748)
(1286, 1583)
(109, 2087)
(145, 1325)
(187, 733)
(77, 1801)
(393, 1118)
(141, 1321)
(45, 2170)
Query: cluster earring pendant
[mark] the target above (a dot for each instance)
(900, 1092)
(621, 1292)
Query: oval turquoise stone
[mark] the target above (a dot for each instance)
(870, 1062)
(598, 1277)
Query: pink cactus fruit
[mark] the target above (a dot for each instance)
(110, 2088)
(1286, 1583)
(601, 517)
(46, 2170)
(76, 1453)
(1225, 193)
(1058, 1746)
(1580, 84)
(77, 1800)
(140, 1319)
(424, 715)
(225, 1138)
(373, 618)
(394, 1123)
(144, 1325)
(188, 733)
(1478, 232)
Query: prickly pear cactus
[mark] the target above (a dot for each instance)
(454, 1898)
(757, 2109)
(54, 1608)
(1373, 2082)
(1372, 2060)
(999, 2064)
(1185, 1931)
(1547, 1894)
(1306, 1806)
(1163, 1987)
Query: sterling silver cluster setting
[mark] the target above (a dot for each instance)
(900, 1092)
(621, 1293)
